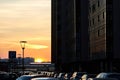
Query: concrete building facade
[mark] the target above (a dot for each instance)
(69, 34)
(104, 34)
(86, 32)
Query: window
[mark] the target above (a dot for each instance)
(93, 21)
(101, 32)
(98, 18)
(103, 15)
(93, 8)
(98, 32)
(98, 3)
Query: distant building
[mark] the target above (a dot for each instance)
(12, 60)
(12, 54)
(36, 67)
(4, 66)
(13, 64)
(69, 34)
(28, 60)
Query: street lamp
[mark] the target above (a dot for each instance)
(22, 43)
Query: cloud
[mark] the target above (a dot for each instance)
(25, 9)
(34, 46)
(25, 18)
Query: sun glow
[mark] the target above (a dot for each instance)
(38, 60)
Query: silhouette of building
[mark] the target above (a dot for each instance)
(104, 17)
(12, 54)
(4, 65)
(69, 34)
(12, 60)
(28, 60)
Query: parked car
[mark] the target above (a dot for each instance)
(67, 76)
(13, 76)
(102, 79)
(61, 76)
(77, 75)
(107, 76)
(4, 76)
(29, 77)
(86, 76)
(45, 78)
(55, 75)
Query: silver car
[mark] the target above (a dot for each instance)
(28, 77)
(45, 78)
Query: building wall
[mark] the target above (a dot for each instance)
(69, 33)
(104, 34)
(97, 28)
(70, 49)
(63, 35)
(116, 28)
(103, 28)
(82, 36)
(54, 31)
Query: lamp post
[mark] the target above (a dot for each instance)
(22, 43)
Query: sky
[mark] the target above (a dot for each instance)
(26, 20)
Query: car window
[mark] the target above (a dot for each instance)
(24, 78)
(84, 76)
(101, 75)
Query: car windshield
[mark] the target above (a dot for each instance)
(4, 76)
(24, 78)
(101, 75)
(117, 76)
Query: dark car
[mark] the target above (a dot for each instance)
(106, 76)
(77, 75)
(29, 77)
(4, 76)
(86, 76)
(109, 75)
(61, 76)
(67, 76)
(13, 76)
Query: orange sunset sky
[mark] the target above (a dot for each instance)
(28, 20)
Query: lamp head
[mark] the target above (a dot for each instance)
(23, 44)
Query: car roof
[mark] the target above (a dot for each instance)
(45, 78)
